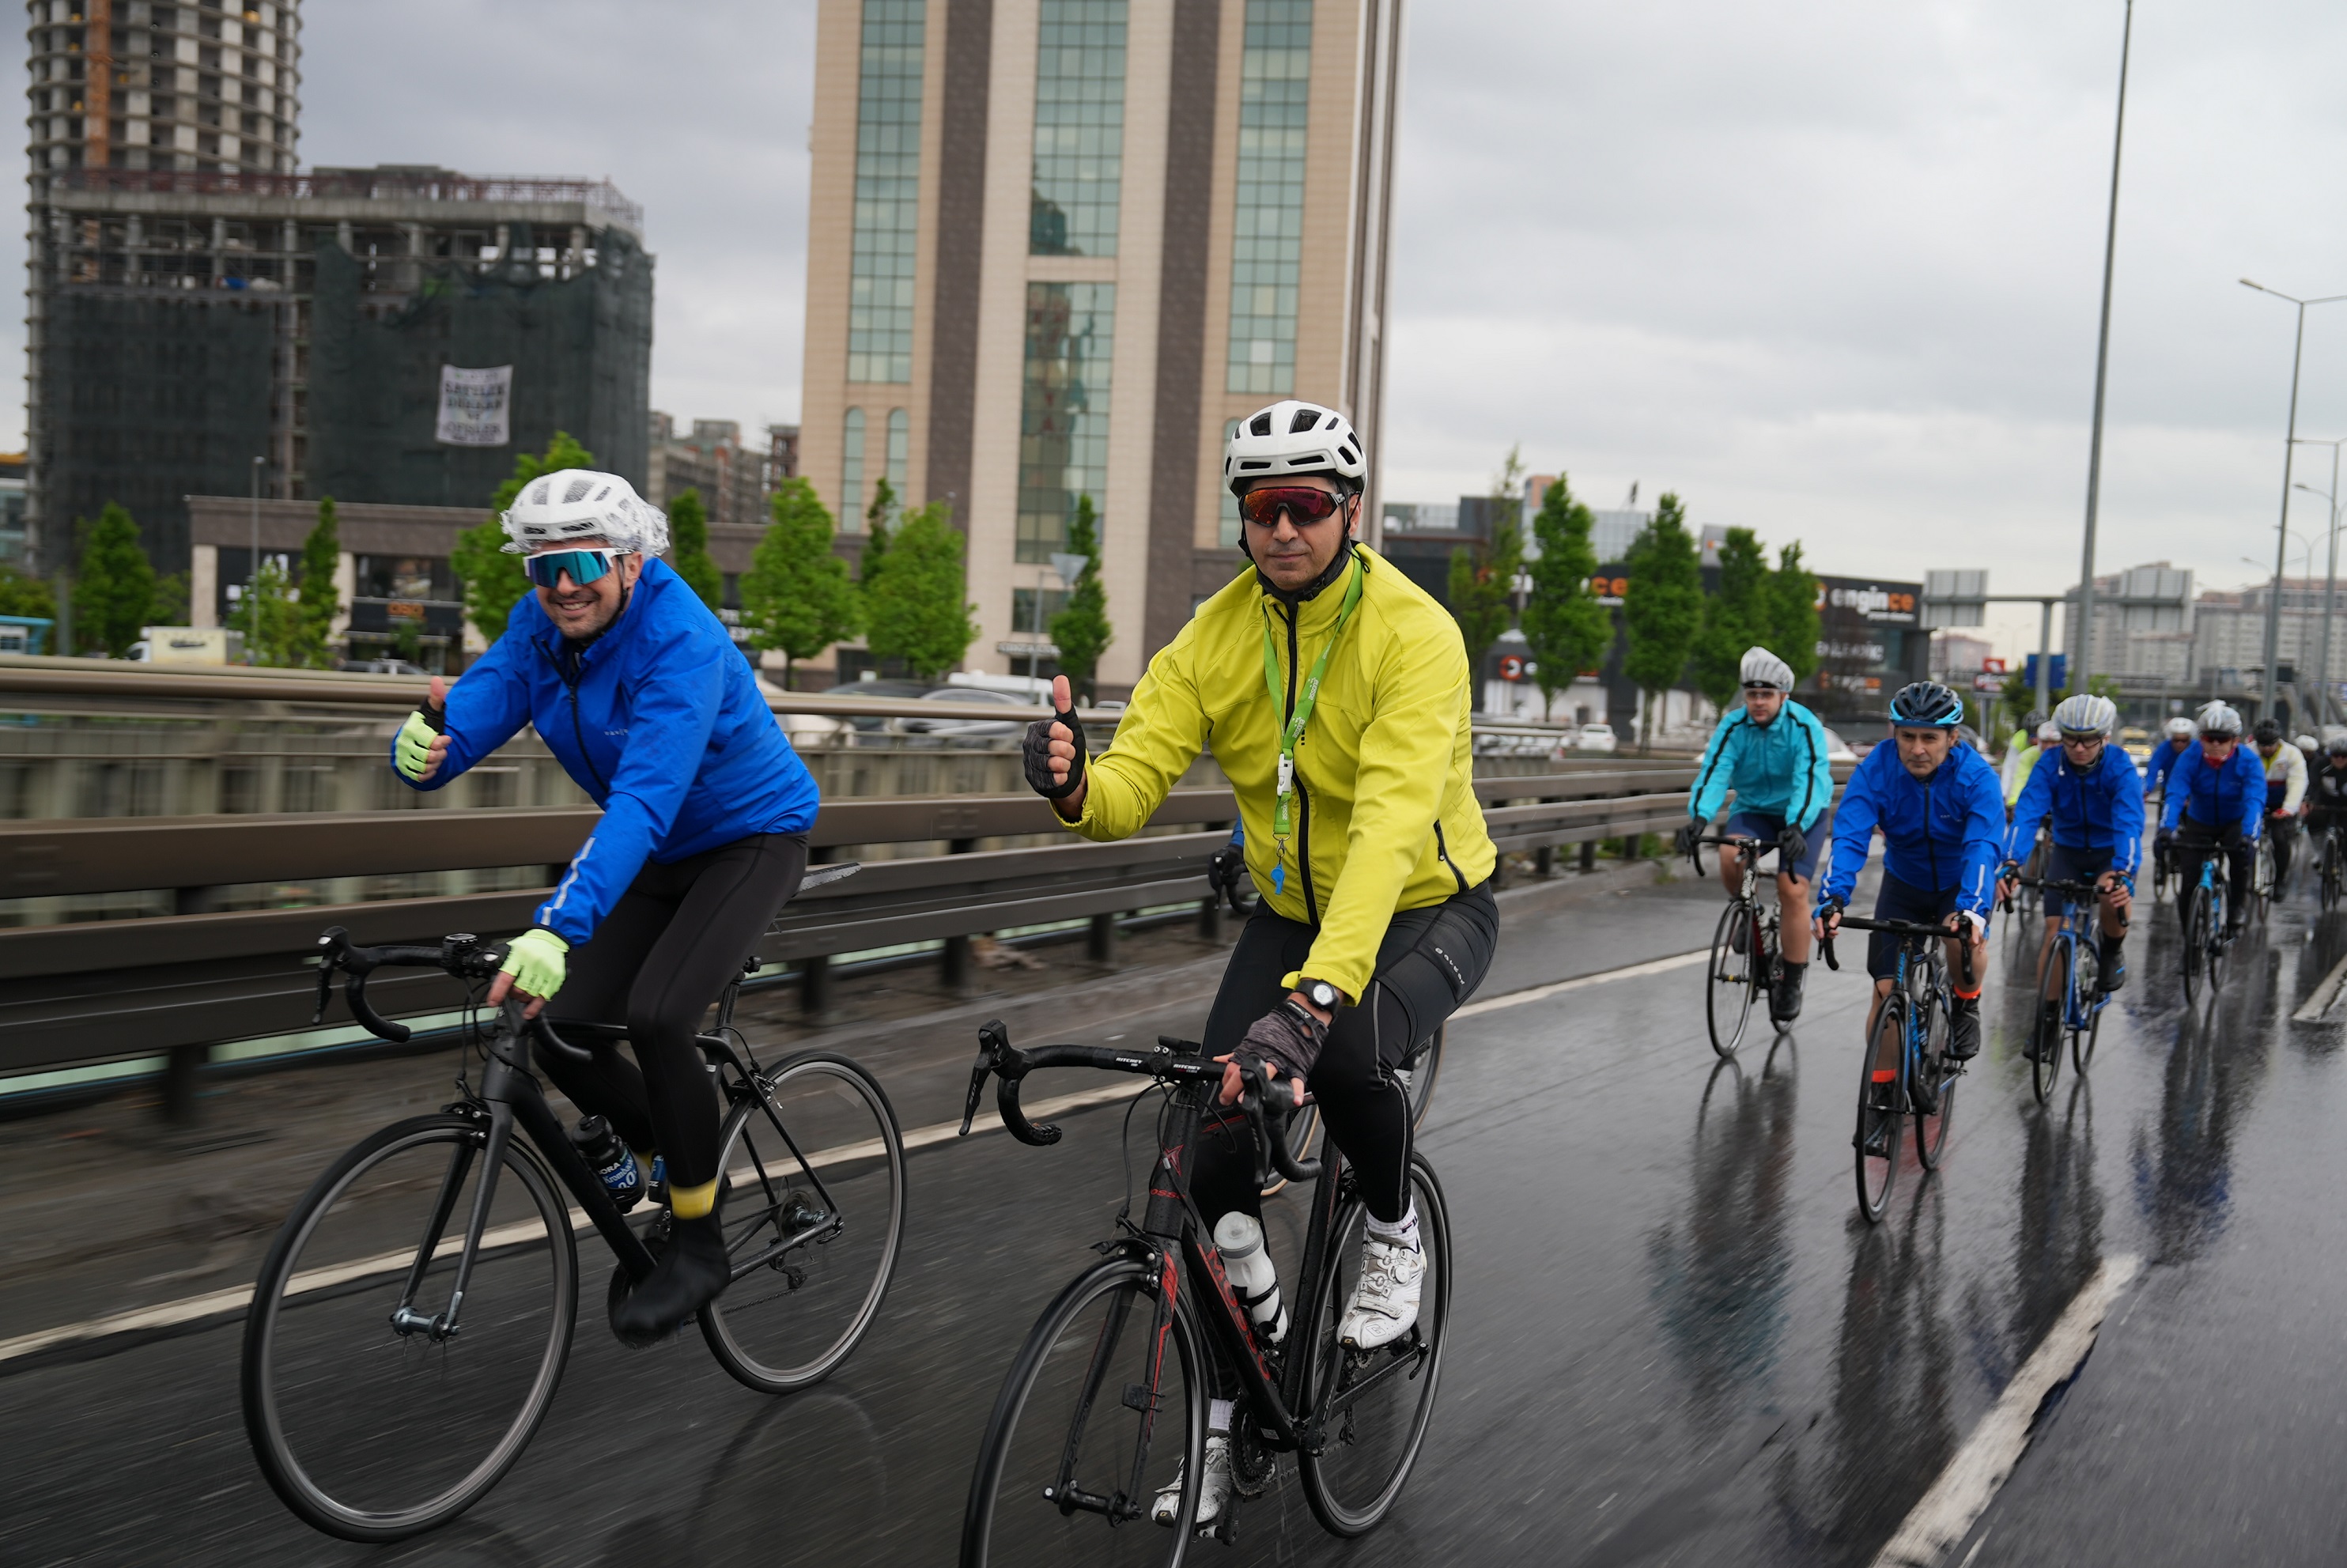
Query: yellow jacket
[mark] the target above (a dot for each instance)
(1386, 817)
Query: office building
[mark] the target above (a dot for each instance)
(731, 479)
(1057, 248)
(2143, 624)
(143, 84)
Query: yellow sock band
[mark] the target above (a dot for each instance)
(692, 1203)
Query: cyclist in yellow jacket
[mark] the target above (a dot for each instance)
(1336, 695)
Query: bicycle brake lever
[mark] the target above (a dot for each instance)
(330, 950)
(992, 1041)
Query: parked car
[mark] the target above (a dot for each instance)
(1837, 749)
(1596, 738)
(961, 728)
(381, 667)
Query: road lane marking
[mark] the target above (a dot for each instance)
(1964, 1489)
(2324, 995)
(1541, 993)
(233, 1301)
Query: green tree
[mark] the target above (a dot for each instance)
(21, 593)
(275, 622)
(796, 597)
(113, 598)
(877, 518)
(1733, 619)
(1662, 608)
(492, 581)
(688, 538)
(319, 595)
(922, 618)
(1567, 628)
(1793, 613)
(1081, 629)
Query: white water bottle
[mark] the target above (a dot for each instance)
(1248, 1266)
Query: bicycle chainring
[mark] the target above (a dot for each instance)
(1252, 1461)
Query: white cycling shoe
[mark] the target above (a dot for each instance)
(1213, 1490)
(1385, 1303)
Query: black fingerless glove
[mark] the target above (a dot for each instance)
(1683, 841)
(1037, 756)
(1288, 1037)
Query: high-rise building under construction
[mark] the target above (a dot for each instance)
(1057, 248)
(203, 318)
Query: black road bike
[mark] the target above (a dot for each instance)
(2070, 995)
(1907, 1070)
(1746, 951)
(1107, 1404)
(411, 1319)
(1417, 1074)
(2334, 868)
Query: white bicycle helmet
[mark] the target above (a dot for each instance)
(1762, 668)
(1293, 436)
(2086, 714)
(2049, 731)
(2179, 728)
(573, 504)
(2220, 721)
(2306, 742)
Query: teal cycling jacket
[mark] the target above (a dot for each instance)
(1776, 769)
(659, 720)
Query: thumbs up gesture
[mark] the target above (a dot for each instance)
(1054, 754)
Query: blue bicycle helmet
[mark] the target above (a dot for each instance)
(1927, 705)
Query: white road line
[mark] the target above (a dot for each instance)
(233, 1302)
(1935, 1526)
(2324, 995)
(1541, 993)
(226, 1303)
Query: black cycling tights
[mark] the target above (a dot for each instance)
(1431, 961)
(656, 964)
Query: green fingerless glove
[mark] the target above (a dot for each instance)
(535, 961)
(411, 751)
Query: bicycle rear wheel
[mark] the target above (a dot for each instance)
(813, 1222)
(1069, 1424)
(1931, 1129)
(1729, 982)
(1373, 1405)
(2330, 873)
(1876, 1142)
(2046, 1039)
(2262, 878)
(2083, 1043)
(372, 1434)
(1419, 1079)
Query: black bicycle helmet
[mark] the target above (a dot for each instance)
(1927, 705)
(2268, 732)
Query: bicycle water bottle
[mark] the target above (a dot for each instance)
(611, 1159)
(1248, 1266)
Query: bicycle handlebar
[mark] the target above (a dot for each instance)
(1757, 846)
(460, 954)
(1897, 928)
(1171, 1061)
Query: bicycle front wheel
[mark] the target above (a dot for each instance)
(813, 1221)
(1729, 985)
(2197, 945)
(1372, 1405)
(2053, 1018)
(2331, 877)
(1076, 1450)
(1880, 1105)
(1931, 1127)
(371, 1431)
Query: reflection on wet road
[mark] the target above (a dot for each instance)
(1673, 1340)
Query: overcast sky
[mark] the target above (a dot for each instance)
(1829, 271)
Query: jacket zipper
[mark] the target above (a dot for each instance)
(1930, 850)
(578, 730)
(1442, 853)
(1303, 799)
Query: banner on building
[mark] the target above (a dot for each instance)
(476, 406)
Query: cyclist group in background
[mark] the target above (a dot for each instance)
(1336, 697)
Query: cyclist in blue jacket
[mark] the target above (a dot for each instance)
(2217, 800)
(637, 689)
(2096, 800)
(1772, 752)
(2165, 758)
(1941, 811)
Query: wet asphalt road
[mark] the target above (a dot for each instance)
(1674, 1340)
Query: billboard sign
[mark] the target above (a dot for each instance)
(476, 406)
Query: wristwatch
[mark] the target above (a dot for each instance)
(1320, 994)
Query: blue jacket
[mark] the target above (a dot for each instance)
(664, 728)
(2099, 807)
(1937, 833)
(2164, 758)
(2232, 796)
(1776, 769)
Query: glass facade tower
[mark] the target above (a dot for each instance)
(1268, 243)
(1064, 410)
(887, 192)
(1078, 128)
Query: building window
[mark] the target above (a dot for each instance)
(1078, 128)
(851, 472)
(1275, 88)
(900, 450)
(888, 189)
(1062, 409)
(1227, 534)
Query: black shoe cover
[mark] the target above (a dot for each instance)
(1785, 999)
(1964, 1031)
(691, 1271)
(2114, 966)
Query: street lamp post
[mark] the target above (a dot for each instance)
(2322, 703)
(2289, 451)
(2102, 366)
